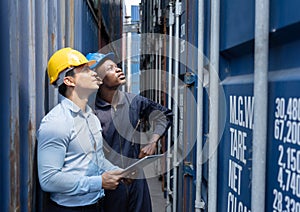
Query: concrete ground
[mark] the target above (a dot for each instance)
(157, 196)
(155, 187)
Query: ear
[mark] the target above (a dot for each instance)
(69, 81)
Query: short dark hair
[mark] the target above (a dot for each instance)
(63, 87)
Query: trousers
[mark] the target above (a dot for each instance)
(97, 207)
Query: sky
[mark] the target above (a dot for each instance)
(132, 2)
(128, 4)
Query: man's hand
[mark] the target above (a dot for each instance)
(129, 177)
(149, 149)
(111, 179)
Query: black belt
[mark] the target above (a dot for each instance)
(98, 206)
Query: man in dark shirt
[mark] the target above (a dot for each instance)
(123, 116)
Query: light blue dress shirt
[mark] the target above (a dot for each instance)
(70, 156)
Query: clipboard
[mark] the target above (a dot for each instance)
(142, 163)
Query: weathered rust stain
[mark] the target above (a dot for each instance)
(52, 40)
(31, 145)
(15, 168)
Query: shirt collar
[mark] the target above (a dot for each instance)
(100, 103)
(73, 107)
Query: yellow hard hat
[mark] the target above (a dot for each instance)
(63, 59)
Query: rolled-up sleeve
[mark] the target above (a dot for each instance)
(161, 116)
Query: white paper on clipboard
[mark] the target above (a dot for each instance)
(143, 162)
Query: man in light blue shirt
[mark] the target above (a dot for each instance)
(71, 163)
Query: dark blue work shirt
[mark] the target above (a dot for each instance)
(129, 125)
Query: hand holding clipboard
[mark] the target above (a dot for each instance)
(132, 170)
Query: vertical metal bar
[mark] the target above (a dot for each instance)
(260, 105)
(42, 56)
(169, 155)
(159, 12)
(124, 39)
(214, 105)
(52, 46)
(5, 105)
(198, 202)
(70, 20)
(52, 22)
(176, 102)
(151, 56)
(78, 26)
(159, 69)
(156, 71)
(14, 159)
(128, 71)
(30, 81)
(41, 46)
(62, 23)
